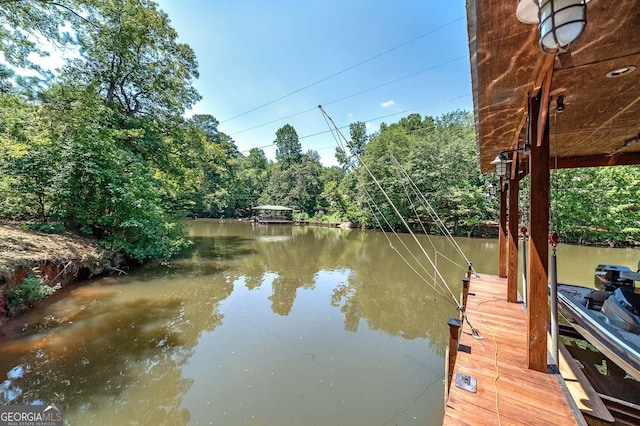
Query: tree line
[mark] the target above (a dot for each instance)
(103, 147)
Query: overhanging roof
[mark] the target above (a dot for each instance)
(600, 113)
(272, 207)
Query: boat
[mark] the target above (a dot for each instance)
(607, 316)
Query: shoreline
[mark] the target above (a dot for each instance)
(67, 258)
(57, 259)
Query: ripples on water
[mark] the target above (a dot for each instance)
(252, 325)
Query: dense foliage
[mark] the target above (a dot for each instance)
(424, 165)
(597, 204)
(32, 289)
(103, 148)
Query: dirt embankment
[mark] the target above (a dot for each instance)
(59, 258)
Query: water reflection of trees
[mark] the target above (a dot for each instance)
(93, 351)
(386, 294)
(380, 290)
(350, 308)
(100, 347)
(296, 263)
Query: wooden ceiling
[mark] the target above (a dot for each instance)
(600, 113)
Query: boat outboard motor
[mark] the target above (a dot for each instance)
(607, 277)
(624, 308)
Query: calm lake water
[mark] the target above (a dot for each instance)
(257, 325)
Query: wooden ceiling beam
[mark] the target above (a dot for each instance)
(541, 70)
(507, 66)
(544, 101)
(595, 161)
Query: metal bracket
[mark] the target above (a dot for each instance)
(466, 382)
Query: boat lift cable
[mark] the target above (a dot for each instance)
(339, 136)
(335, 137)
(375, 210)
(554, 209)
(417, 216)
(413, 207)
(439, 289)
(403, 176)
(434, 216)
(432, 213)
(402, 219)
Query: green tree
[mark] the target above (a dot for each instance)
(382, 174)
(434, 155)
(298, 186)
(596, 204)
(25, 160)
(32, 173)
(101, 187)
(453, 176)
(330, 199)
(289, 149)
(22, 22)
(131, 54)
(355, 147)
(252, 177)
(217, 157)
(411, 123)
(105, 148)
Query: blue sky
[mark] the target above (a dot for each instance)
(251, 53)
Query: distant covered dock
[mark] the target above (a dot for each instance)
(269, 213)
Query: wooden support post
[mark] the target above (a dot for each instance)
(538, 243)
(512, 272)
(502, 233)
(452, 350)
(470, 270)
(465, 292)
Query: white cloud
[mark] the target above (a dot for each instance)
(368, 125)
(387, 104)
(350, 115)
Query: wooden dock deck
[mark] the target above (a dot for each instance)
(507, 391)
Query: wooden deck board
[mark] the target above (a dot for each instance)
(583, 393)
(518, 395)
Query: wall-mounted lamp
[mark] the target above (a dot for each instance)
(560, 21)
(502, 164)
(492, 189)
(560, 103)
